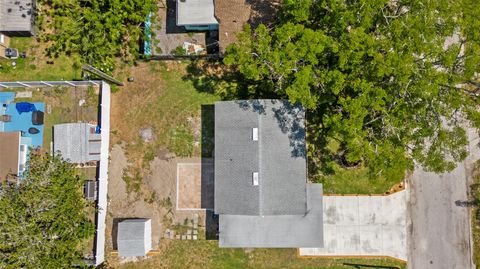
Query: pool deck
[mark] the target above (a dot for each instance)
(20, 122)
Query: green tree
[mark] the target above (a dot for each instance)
(97, 30)
(387, 82)
(43, 218)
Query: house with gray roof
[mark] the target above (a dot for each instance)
(134, 237)
(77, 142)
(261, 190)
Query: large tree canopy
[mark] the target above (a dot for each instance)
(43, 218)
(96, 30)
(386, 82)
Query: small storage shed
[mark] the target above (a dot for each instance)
(90, 190)
(134, 237)
(77, 142)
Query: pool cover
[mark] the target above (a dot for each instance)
(23, 107)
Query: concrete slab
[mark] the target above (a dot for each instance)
(363, 226)
(195, 186)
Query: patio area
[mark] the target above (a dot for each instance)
(171, 36)
(21, 122)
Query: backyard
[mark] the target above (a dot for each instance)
(62, 105)
(36, 65)
(158, 120)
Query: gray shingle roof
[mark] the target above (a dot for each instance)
(279, 156)
(16, 16)
(76, 142)
(287, 231)
(134, 237)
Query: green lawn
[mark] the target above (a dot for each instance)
(35, 66)
(207, 254)
(354, 181)
(161, 99)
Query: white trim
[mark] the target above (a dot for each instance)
(48, 84)
(255, 134)
(24, 84)
(255, 178)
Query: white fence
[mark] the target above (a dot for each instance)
(36, 84)
(103, 174)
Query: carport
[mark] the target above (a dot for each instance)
(363, 226)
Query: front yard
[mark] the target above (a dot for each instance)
(207, 254)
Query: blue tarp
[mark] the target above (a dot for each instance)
(25, 107)
(147, 49)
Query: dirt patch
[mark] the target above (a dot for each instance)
(155, 200)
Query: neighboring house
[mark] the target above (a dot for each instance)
(77, 142)
(17, 17)
(134, 237)
(13, 155)
(196, 15)
(4, 43)
(261, 190)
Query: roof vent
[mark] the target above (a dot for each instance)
(255, 134)
(255, 178)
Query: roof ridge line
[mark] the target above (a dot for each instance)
(260, 172)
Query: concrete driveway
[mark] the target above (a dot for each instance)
(363, 226)
(439, 229)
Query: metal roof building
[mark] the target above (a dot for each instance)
(134, 237)
(195, 12)
(17, 17)
(261, 192)
(77, 142)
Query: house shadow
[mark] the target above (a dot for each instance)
(208, 170)
(263, 11)
(115, 231)
(171, 23)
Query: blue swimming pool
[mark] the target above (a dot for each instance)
(20, 122)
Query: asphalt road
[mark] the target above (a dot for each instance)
(438, 229)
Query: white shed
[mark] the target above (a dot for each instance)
(134, 237)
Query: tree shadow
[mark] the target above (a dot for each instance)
(263, 12)
(290, 118)
(208, 168)
(214, 77)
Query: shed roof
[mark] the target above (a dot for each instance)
(9, 148)
(17, 16)
(285, 231)
(195, 12)
(77, 142)
(134, 237)
(279, 157)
